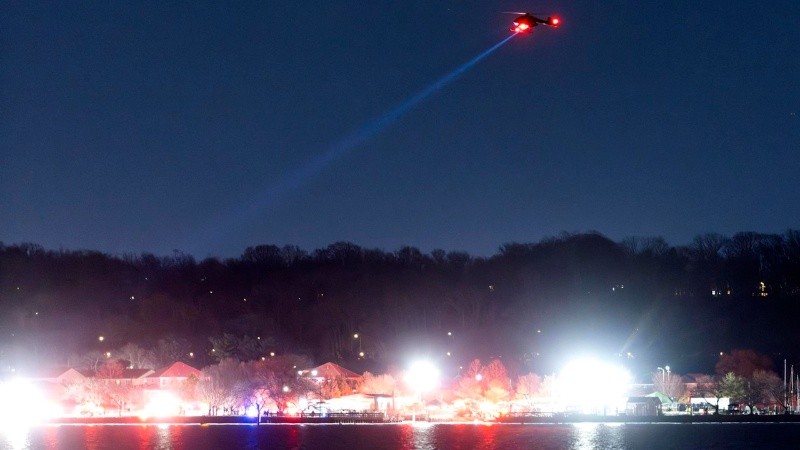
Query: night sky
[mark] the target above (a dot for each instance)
(131, 127)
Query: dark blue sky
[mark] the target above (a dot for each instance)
(150, 126)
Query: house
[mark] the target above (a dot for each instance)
(172, 376)
(56, 375)
(132, 377)
(330, 371)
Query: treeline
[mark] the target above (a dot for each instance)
(526, 304)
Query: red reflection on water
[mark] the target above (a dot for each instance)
(144, 438)
(488, 434)
(162, 436)
(293, 440)
(90, 437)
(51, 438)
(407, 437)
(175, 436)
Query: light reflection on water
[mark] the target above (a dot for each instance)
(143, 435)
(596, 435)
(16, 437)
(584, 436)
(90, 439)
(421, 436)
(164, 437)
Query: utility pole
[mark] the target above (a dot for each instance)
(791, 389)
(785, 393)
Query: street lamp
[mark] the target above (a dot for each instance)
(663, 375)
(357, 337)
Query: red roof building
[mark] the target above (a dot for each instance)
(172, 375)
(134, 377)
(60, 375)
(330, 371)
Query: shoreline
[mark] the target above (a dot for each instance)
(676, 419)
(507, 420)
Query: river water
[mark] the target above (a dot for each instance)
(405, 436)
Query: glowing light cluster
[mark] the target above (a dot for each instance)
(521, 27)
(161, 404)
(251, 411)
(422, 376)
(594, 385)
(24, 404)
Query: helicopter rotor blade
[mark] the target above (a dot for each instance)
(519, 13)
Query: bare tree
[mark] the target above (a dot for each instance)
(708, 388)
(277, 378)
(113, 388)
(218, 383)
(170, 350)
(468, 385)
(670, 384)
(526, 387)
(243, 348)
(765, 387)
(137, 357)
(378, 384)
(645, 245)
(90, 360)
(497, 385)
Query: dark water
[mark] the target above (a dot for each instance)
(405, 436)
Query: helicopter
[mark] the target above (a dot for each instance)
(527, 21)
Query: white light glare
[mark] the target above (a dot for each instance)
(592, 384)
(422, 376)
(24, 404)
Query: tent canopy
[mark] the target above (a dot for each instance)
(664, 398)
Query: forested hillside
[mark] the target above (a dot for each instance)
(531, 303)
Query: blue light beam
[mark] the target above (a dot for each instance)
(291, 181)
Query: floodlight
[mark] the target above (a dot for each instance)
(422, 376)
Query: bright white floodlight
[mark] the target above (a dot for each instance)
(24, 404)
(592, 386)
(422, 376)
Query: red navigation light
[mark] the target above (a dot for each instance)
(554, 21)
